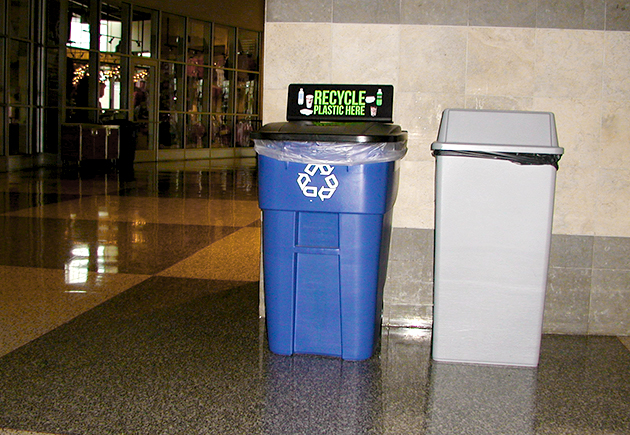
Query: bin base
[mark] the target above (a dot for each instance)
(324, 287)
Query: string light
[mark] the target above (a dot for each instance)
(140, 76)
(113, 73)
(104, 76)
(79, 73)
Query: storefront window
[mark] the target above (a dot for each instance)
(197, 133)
(170, 130)
(2, 151)
(53, 22)
(143, 78)
(248, 50)
(222, 131)
(110, 91)
(171, 87)
(18, 130)
(19, 18)
(111, 29)
(78, 78)
(79, 14)
(244, 126)
(19, 72)
(203, 91)
(172, 37)
(198, 89)
(143, 32)
(52, 80)
(223, 52)
(221, 90)
(198, 42)
(2, 75)
(247, 93)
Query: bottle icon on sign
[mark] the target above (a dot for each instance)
(379, 98)
(301, 97)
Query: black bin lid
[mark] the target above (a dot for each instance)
(309, 131)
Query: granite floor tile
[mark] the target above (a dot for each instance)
(173, 355)
(13, 201)
(188, 211)
(132, 306)
(235, 257)
(22, 432)
(36, 301)
(103, 245)
(53, 180)
(235, 184)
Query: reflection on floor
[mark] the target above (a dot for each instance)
(131, 307)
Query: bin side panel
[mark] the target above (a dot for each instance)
(278, 260)
(493, 232)
(325, 260)
(360, 290)
(369, 188)
(317, 307)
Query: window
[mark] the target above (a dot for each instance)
(79, 13)
(111, 29)
(143, 36)
(172, 37)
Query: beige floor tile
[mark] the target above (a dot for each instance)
(36, 301)
(233, 258)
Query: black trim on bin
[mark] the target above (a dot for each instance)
(352, 132)
(518, 158)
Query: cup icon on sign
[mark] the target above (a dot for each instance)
(309, 101)
(373, 110)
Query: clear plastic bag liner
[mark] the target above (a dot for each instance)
(337, 153)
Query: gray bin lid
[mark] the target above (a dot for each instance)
(495, 131)
(348, 132)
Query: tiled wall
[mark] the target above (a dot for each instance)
(564, 56)
(587, 290)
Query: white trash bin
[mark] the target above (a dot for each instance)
(495, 184)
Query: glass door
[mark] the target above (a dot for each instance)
(143, 83)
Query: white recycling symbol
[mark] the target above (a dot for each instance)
(323, 192)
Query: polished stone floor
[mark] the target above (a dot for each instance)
(129, 305)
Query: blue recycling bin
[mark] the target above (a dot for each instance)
(326, 193)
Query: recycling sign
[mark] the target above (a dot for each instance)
(333, 102)
(318, 181)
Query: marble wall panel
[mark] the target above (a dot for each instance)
(610, 299)
(500, 61)
(556, 14)
(582, 297)
(299, 11)
(432, 59)
(617, 65)
(505, 13)
(297, 53)
(366, 11)
(617, 15)
(435, 12)
(414, 207)
(569, 63)
(567, 301)
(365, 53)
(571, 14)
(615, 134)
(612, 204)
(421, 114)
